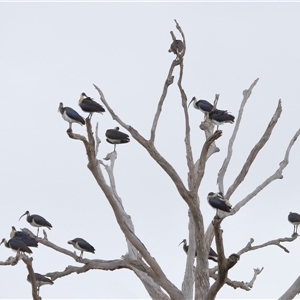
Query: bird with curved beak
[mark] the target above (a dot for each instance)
(294, 218)
(16, 245)
(212, 255)
(201, 105)
(36, 221)
(82, 245)
(217, 201)
(40, 280)
(23, 237)
(114, 136)
(177, 47)
(70, 115)
(90, 106)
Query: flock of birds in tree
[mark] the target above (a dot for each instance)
(21, 242)
(218, 117)
(88, 105)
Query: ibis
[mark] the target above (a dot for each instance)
(212, 255)
(219, 117)
(70, 115)
(40, 280)
(24, 237)
(114, 136)
(82, 245)
(90, 106)
(201, 105)
(217, 201)
(16, 245)
(177, 47)
(36, 221)
(294, 218)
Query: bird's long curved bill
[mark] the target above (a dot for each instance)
(180, 243)
(190, 103)
(22, 216)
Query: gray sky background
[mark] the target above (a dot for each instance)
(51, 52)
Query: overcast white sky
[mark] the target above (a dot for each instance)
(51, 52)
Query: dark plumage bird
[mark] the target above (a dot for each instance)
(82, 245)
(219, 117)
(90, 106)
(201, 105)
(24, 237)
(217, 201)
(16, 245)
(70, 115)
(36, 221)
(294, 218)
(212, 254)
(177, 47)
(40, 280)
(114, 136)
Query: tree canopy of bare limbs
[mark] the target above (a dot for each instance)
(138, 259)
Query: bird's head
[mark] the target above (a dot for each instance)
(193, 99)
(13, 232)
(71, 242)
(117, 128)
(3, 241)
(60, 107)
(183, 241)
(210, 195)
(82, 97)
(26, 213)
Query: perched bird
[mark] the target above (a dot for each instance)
(40, 280)
(201, 105)
(70, 115)
(294, 218)
(90, 106)
(212, 254)
(219, 117)
(16, 245)
(82, 245)
(177, 47)
(114, 136)
(36, 221)
(217, 201)
(24, 237)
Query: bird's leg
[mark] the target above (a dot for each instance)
(38, 232)
(70, 126)
(81, 254)
(38, 291)
(115, 148)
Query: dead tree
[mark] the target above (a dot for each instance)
(196, 284)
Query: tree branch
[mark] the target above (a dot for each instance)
(121, 216)
(255, 151)
(247, 286)
(223, 264)
(199, 172)
(221, 174)
(28, 262)
(276, 242)
(187, 140)
(277, 175)
(168, 82)
(292, 292)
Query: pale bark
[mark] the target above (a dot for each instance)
(221, 174)
(292, 291)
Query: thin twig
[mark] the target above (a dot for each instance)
(221, 174)
(255, 151)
